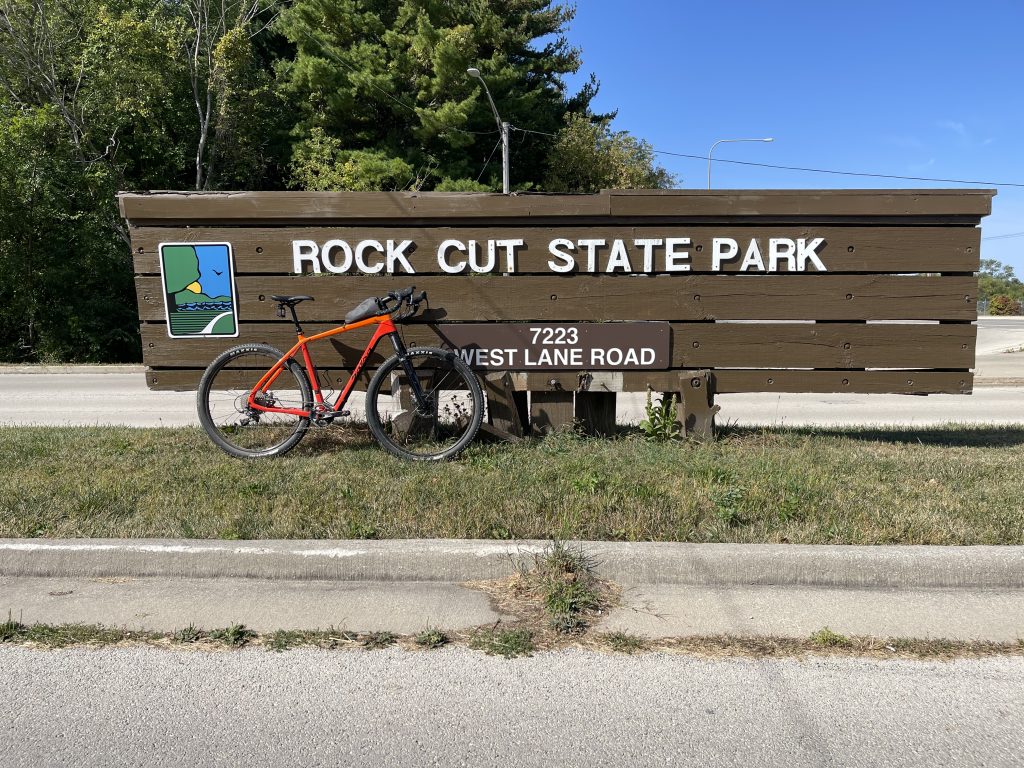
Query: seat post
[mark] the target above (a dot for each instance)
(295, 319)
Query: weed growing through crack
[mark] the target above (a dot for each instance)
(826, 638)
(11, 630)
(431, 638)
(376, 640)
(568, 586)
(623, 642)
(189, 634)
(283, 639)
(509, 643)
(236, 635)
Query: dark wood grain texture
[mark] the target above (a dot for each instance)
(726, 381)
(340, 206)
(694, 345)
(268, 251)
(611, 297)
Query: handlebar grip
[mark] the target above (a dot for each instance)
(421, 297)
(403, 294)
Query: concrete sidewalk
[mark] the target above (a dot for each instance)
(970, 593)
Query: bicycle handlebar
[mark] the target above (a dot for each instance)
(402, 298)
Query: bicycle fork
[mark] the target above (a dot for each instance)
(410, 372)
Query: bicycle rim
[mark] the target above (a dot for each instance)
(447, 423)
(225, 413)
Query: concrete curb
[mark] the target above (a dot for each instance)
(866, 567)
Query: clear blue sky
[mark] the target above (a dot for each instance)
(900, 87)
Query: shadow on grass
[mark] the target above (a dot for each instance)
(960, 436)
(336, 438)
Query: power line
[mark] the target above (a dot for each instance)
(480, 175)
(1004, 237)
(841, 173)
(527, 130)
(816, 170)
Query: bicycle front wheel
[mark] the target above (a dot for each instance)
(440, 426)
(223, 402)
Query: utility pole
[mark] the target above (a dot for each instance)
(506, 171)
(503, 128)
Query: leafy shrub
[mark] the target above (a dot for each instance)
(1003, 305)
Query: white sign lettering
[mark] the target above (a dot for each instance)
(647, 255)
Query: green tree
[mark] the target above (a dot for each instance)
(92, 102)
(996, 279)
(589, 156)
(66, 290)
(236, 110)
(389, 77)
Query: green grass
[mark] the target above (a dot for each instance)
(377, 640)
(935, 486)
(565, 577)
(431, 638)
(236, 635)
(510, 643)
(826, 638)
(623, 642)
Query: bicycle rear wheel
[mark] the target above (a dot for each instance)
(223, 398)
(444, 425)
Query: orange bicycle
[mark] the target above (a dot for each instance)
(422, 404)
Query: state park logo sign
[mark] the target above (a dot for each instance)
(199, 290)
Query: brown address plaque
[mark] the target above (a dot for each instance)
(561, 346)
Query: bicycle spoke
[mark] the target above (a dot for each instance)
(438, 427)
(230, 419)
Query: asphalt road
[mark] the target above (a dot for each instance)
(141, 707)
(89, 398)
(78, 399)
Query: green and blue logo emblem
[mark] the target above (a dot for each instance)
(199, 290)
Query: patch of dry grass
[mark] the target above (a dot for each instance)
(511, 640)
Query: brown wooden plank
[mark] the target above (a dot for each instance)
(502, 409)
(268, 250)
(595, 412)
(804, 202)
(338, 206)
(550, 410)
(695, 345)
(832, 345)
(188, 207)
(611, 297)
(726, 381)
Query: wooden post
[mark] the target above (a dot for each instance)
(504, 419)
(550, 410)
(595, 411)
(697, 407)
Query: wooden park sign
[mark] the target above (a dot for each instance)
(577, 297)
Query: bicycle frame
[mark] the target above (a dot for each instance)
(385, 327)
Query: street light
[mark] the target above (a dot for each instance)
(724, 141)
(502, 127)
